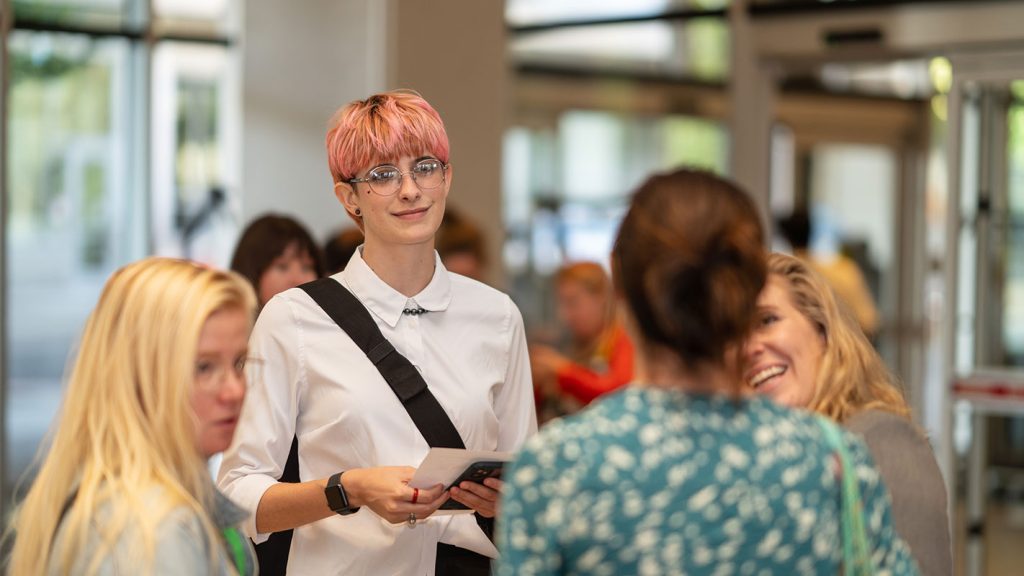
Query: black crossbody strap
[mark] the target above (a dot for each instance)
(404, 379)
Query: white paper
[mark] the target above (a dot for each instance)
(443, 466)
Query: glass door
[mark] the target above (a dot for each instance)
(985, 288)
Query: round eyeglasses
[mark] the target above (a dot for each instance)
(386, 179)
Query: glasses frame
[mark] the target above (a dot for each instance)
(401, 175)
(215, 381)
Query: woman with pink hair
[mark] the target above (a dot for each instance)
(353, 511)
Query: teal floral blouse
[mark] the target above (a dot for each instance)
(656, 482)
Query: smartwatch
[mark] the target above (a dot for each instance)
(337, 500)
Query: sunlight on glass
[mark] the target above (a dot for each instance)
(191, 9)
(591, 152)
(695, 142)
(653, 41)
(941, 73)
(1017, 89)
(707, 41)
(94, 5)
(900, 78)
(525, 12)
(940, 108)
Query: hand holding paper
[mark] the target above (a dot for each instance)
(448, 466)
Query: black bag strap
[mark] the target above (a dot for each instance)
(404, 379)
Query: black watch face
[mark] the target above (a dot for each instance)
(336, 498)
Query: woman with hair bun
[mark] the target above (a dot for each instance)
(683, 472)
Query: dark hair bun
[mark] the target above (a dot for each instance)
(690, 262)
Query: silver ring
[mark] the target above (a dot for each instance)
(412, 520)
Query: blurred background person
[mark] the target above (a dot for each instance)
(156, 388)
(808, 352)
(461, 245)
(276, 253)
(841, 272)
(340, 247)
(600, 356)
(684, 472)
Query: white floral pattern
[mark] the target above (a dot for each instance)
(657, 482)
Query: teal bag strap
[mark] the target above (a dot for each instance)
(237, 546)
(856, 554)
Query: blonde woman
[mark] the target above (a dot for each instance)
(156, 389)
(808, 351)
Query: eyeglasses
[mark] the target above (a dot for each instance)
(211, 376)
(386, 179)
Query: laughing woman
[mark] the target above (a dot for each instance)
(808, 351)
(156, 389)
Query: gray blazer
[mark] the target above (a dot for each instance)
(919, 500)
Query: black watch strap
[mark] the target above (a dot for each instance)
(337, 500)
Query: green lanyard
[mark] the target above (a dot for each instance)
(234, 539)
(856, 551)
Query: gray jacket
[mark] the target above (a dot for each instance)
(909, 470)
(180, 548)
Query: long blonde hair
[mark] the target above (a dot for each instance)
(852, 376)
(126, 436)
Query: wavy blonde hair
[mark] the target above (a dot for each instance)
(127, 432)
(852, 376)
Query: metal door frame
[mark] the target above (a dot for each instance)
(950, 382)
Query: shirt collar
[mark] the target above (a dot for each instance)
(387, 303)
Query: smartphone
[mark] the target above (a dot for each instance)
(476, 472)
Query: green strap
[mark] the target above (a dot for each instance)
(856, 555)
(237, 546)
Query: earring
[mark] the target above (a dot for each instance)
(359, 212)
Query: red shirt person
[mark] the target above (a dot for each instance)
(601, 358)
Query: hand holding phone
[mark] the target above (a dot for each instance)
(476, 472)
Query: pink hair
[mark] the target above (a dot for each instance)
(383, 127)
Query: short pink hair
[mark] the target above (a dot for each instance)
(383, 127)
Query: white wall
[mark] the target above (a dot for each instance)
(302, 59)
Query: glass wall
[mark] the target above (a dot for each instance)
(567, 187)
(105, 120)
(1013, 314)
(195, 151)
(685, 39)
(70, 219)
(96, 14)
(573, 156)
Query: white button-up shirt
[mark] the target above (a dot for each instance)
(315, 383)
